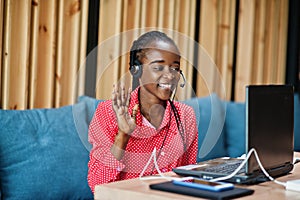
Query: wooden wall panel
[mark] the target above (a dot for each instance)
(262, 40)
(43, 45)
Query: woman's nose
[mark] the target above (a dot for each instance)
(169, 73)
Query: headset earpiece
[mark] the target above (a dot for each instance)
(136, 68)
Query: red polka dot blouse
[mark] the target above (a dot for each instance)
(173, 149)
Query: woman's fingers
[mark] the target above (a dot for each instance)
(134, 112)
(114, 99)
(123, 96)
(127, 100)
(120, 99)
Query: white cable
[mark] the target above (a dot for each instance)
(153, 155)
(243, 163)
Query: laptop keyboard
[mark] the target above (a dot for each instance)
(226, 168)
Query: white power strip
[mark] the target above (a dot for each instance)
(293, 185)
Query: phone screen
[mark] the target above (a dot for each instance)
(202, 182)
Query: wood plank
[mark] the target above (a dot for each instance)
(207, 52)
(69, 35)
(149, 13)
(223, 56)
(282, 40)
(108, 64)
(231, 42)
(44, 96)
(259, 43)
(245, 48)
(80, 77)
(168, 14)
(132, 18)
(1, 45)
(5, 57)
(271, 43)
(185, 42)
(33, 49)
(59, 53)
(191, 49)
(16, 53)
(70, 45)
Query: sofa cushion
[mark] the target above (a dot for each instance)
(42, 155)
(210, 114)
(235, 129)
(83, 114)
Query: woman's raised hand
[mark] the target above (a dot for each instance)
(120, 103)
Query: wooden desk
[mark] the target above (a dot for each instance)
(136, 189)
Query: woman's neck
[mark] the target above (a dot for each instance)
(152, 108)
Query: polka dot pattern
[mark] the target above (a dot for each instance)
(105, 168)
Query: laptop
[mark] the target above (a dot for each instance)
(269, 130)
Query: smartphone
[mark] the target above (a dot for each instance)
(203, 184)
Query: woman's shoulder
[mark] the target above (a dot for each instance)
(104, 105)
(183, 108)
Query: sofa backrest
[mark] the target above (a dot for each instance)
(42, 155)
(221, 127)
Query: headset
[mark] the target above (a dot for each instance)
(136, 68)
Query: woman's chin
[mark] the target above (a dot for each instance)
(165, 93)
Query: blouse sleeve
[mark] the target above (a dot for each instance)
(103, 166)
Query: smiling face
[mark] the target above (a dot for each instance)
(161, 71)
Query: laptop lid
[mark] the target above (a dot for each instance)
(269, 127)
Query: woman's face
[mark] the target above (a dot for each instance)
(161, 70)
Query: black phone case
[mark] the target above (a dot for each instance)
(228, 194)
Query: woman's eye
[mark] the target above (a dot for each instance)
(159, 67)
(174, 69)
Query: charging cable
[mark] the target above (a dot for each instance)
(153, 155)
(161, 175)
(242, 165)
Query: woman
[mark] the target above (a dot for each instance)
(125, 130)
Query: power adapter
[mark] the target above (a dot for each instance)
(293, 185)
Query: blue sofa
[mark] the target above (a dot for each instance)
(44, 152)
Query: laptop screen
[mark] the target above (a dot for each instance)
(270, 125)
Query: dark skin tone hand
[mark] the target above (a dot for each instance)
(126, 123)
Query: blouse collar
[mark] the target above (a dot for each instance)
(139, 118)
